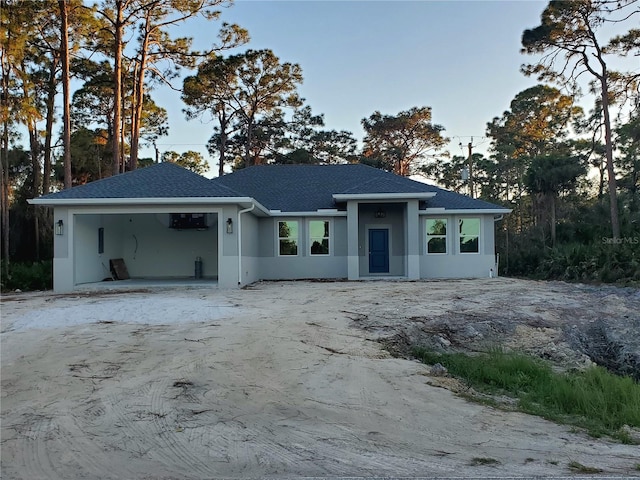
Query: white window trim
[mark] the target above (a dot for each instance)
(427, 236)
(330, 238)
(458, 236)
(278, 238)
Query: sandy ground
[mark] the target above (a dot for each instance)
(274, 380)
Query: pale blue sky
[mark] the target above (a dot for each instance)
(459, 57)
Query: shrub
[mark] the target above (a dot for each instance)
(27, 276)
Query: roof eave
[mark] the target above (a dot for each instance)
(149, 201)
(321, 212)
(465, 211)
(344, 197)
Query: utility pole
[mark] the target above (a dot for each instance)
(470, 169)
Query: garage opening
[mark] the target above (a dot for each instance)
(153, 246)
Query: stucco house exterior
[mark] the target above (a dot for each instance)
(269, 222)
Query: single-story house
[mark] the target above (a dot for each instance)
(268, 222)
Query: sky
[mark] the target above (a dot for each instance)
(461, 58)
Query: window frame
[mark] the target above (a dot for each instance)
(429, 236)
(477, 236)
(328, 238)
(296, 238)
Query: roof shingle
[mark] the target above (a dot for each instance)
(162, 180)
(288, 188)
(305, 188)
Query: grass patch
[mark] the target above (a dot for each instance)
(596, 400)
(484, 461)
(579, 468)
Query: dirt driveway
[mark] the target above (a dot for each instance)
(274, 380)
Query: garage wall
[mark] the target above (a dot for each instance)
(153, 250)
(89, 264)
(138, 234)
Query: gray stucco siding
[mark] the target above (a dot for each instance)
(273, 266)
(250, 265)
(456, 264)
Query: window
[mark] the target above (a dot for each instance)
(469, 234)
(288, 238)
(436, 235)
(101, 240)
(319, 237)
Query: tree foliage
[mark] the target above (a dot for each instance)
(190, 160)
(402, 143)
(568, 40)
(245, 94)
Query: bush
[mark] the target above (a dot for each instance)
(596, 262)
(27, 276)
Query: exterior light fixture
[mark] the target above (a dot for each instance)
(380, 213)
(59, 227)
(229, 225)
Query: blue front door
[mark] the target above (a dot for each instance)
(379, 250)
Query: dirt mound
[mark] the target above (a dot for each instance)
(571, 325)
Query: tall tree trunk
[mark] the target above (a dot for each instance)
(117, 86)
(601, 169)
(34, 145)
(247, 153)
(66, 114)
(553, 219)
(4, 160)
(50, 106)
(222, 148)
(611, 174)
(122, 156)
(4, 190)
(138, 101)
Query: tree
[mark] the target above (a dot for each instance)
(156, 46)
(629, 143)
(90, 156)
(570, 46)
(211, 91)
(402, 143)
(240, 92)
(190, 160)
(450, 173)
(307, 142)
(538, 120)
(116, 15)
(550, 175)
(66, 115)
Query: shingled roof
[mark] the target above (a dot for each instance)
(305, 188)
(287, 188)
(162, 180)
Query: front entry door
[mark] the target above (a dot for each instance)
(379, 250)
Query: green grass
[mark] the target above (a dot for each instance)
(579, 468)
(596, 400)
(484, 461)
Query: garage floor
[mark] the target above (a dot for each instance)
(148, 283)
